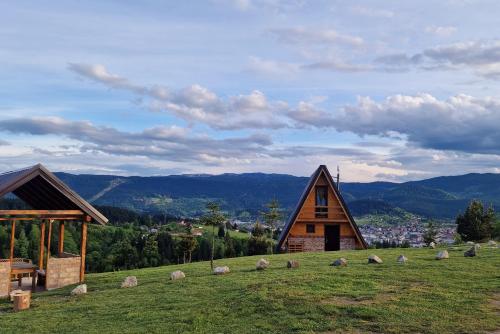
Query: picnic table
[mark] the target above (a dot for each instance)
(18, 269)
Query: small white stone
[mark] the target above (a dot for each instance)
(432, 245)
(221, 270)
(262, 264)
(442, 255)
(177, 275)
(402, 259)
(374, 259)
(129, 282)
(79, 290)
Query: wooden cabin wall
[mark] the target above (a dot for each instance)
(336, 215)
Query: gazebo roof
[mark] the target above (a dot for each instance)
(42, 190)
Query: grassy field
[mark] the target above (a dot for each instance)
(458, 295)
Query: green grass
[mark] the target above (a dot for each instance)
(423, 296)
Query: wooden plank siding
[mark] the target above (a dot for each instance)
(296, 237)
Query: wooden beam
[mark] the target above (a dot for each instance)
(40, 212)
(61, 238)
(83, 251)
(42, 245)
(79, 218)
(12, 240)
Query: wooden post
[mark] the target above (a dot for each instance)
(48, 241)
(48, 252)
(83, 249)
(12, 240)
(42, 245)
(61, 238)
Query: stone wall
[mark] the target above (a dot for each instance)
(310, 244)
(62, 272)
(4, 279)
(347, 243)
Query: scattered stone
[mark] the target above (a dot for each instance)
(442, 255)
(177, 275)
(477, 246)
(221, 270)
(471, 252)
(292, 264)
(262, 264)
(14, 292)
(470, 243)
(374, 259)
(79, 290)
(492, 243)
(402, 259)
(339, 262)
(129, 282)
(432, 245)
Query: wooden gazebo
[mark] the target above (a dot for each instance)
(50, 201)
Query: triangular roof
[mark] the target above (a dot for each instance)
(312, 181)
(42, 190)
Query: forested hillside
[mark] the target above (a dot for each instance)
(244, 195)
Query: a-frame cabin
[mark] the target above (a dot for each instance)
(321, 221)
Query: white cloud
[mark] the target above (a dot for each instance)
(272, 67)
(372, 12)
(441, 31)
(302, 35)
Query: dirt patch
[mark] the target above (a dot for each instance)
(363, 300)
(495, 303)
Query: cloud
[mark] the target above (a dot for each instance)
(302, 35)
(441, 31)
(482, 57)
(336, 65)
(4, 143)
(196, 103)
(372, 12)
(272, 67)
(461, 123)
(165, 143)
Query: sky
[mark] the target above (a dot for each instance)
(387, 90)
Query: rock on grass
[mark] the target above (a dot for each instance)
(262, 264)
(177, 275)
(442, 255)
(292, 264)
(79, 290)
(374, 259)
(129, 282)
(339, 262)
(221, 270)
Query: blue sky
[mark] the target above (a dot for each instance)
(388, 90)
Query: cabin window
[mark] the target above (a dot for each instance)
(310, 228)
(321, 202)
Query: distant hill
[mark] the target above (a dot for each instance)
(244, 195)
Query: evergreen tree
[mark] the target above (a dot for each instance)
(430, 233)
(166, 247)
(228, 241)
(150, 254)
(186, 247)
(22, 245)
(258, 243)
(213, 218)
(34, 243)
(476, 224)
(272, 217)
(221, 233)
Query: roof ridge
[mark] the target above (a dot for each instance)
(21, 169)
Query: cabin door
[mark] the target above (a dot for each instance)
(332, 237)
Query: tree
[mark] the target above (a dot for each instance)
(230, 251)
(258, 243)
(221, 233)
(476, 224)
(150, 253)
(214, 218)
(22, 245)
(272, 216)
(430, 233)
(34, 242)
(186, 246)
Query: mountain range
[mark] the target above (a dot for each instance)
(243, 196)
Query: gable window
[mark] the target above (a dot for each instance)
(321, 202)
(310, 228)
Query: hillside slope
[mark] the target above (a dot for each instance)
(244, 195)
(422, 296)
